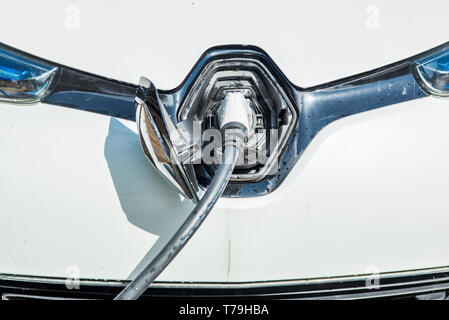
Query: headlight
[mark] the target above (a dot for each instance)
(26, 79)
(433, 71)
(23, 78)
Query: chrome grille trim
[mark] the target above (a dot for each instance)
(393, 284)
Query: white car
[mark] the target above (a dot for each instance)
(337, 186)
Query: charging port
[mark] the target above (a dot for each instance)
(273, 115)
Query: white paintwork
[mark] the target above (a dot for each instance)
(311, 41)
(371, 190)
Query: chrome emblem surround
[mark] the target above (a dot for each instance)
(312, 109)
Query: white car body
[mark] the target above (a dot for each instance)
(369, 195)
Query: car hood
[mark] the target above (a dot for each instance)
(368, 195)
(312, 42)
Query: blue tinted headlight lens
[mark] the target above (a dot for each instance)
(23, 78)
(434, 72)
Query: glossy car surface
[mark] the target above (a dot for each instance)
(368, 195)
